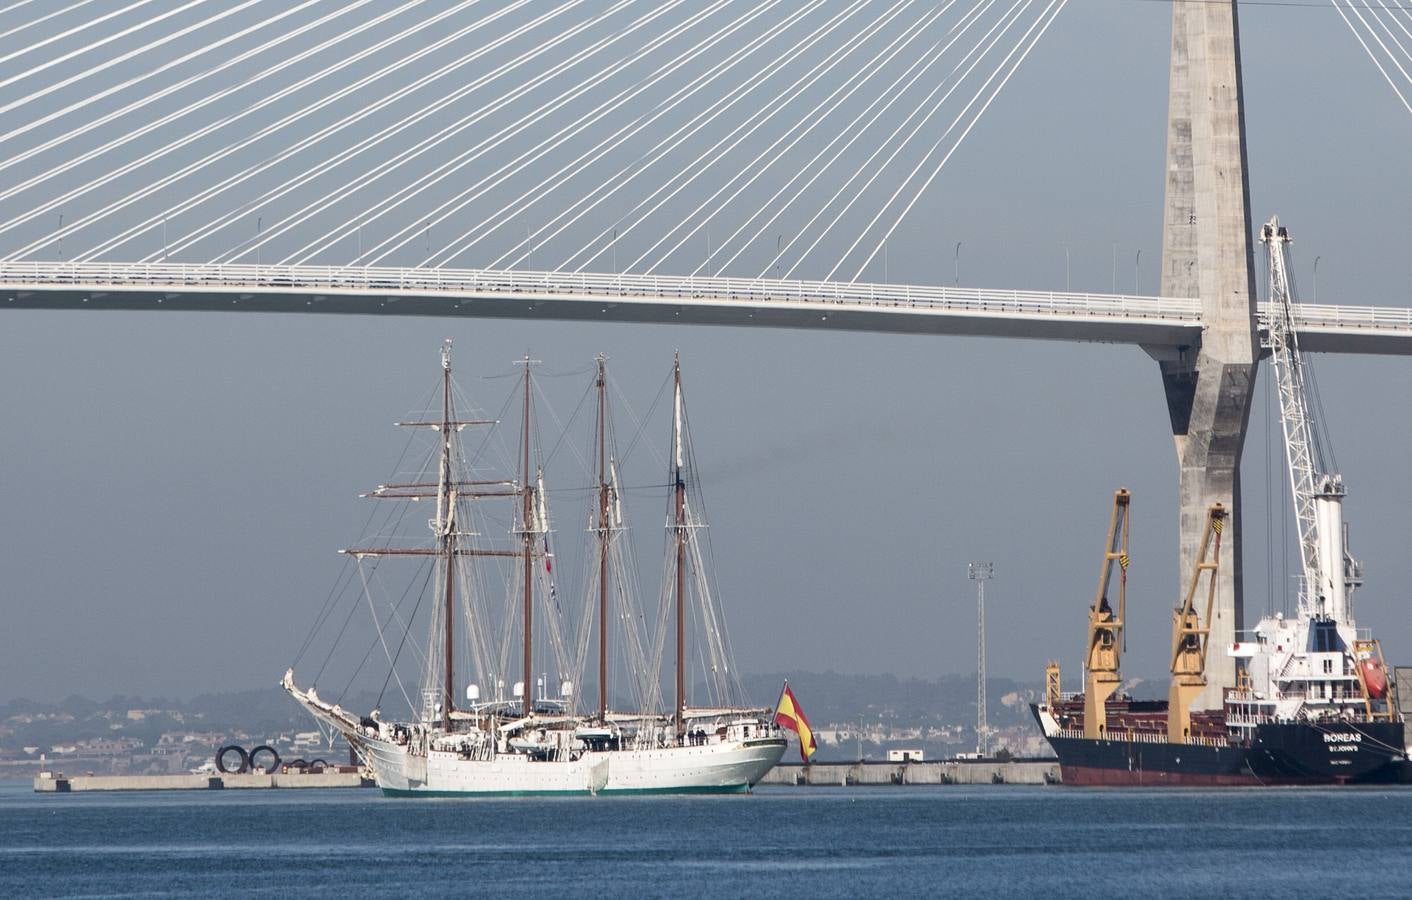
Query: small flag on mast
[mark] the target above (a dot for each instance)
(788, 714)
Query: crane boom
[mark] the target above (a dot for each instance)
(1328, 574)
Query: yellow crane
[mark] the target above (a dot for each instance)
(1105, 626)
(1191, 632)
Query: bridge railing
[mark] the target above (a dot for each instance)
(588, 285)
(471, 283)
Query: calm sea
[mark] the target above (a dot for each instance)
(801, 842)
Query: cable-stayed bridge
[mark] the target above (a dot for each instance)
(757, 302)
(740, 163)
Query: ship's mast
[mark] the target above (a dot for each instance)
(603, 495)
(445, 505)
(528, 547)
(680, 526)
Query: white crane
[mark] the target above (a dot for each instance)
(1329, 573)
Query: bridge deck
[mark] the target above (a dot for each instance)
(909, 309)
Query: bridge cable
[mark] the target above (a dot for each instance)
(193, 201)
(618, 138)
(891, 94)
(780, 102)
(979, 51)
(227, 120)
(330, 162)
(144, 102)
(1373, 56)
(1057, 6)
(479, 188)
(261, 133)
(44, 18)
(142, 51)
(739, 92)
(956, 120)
(486, 183)
(63, 58)
(482, 111)
(611, 184)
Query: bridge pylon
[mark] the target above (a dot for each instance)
(1207, 253)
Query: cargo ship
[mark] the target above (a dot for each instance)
(1311, 702)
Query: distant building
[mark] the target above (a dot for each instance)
(902, 755)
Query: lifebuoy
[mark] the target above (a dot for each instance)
(240, 753)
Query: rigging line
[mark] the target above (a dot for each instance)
(268, 130)
(760, 117)
(144, 102)
(44, 18)
(332, 162)
(381, 639)
(892, 93)
(421, 595)
(461, 200)
(227, 120)
(615, 182)
(1057, 6)
(1372, 56)
(642, 422)
(191, 107)
(347, 564)
(482, 111)
(733, 96)
(1002, 25)
(35, 70)
(122, 58)
(847, 88)
(564, 432)
(86, 24)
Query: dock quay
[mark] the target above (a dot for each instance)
(342, 777)
(870, 772)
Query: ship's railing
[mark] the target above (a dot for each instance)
(1142, 737)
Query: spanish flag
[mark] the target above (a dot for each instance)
(789, 715)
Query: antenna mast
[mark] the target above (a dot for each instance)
(980, 573)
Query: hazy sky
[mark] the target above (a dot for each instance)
(173, 486)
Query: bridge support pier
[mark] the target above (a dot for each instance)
(1206, 253)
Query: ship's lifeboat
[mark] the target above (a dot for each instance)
(1375, 677)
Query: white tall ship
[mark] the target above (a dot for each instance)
(536, 741)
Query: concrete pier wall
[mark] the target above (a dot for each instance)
(934, 772)
(74, 784)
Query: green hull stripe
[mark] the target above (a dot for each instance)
(727, 789)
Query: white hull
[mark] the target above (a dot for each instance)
(721, 768)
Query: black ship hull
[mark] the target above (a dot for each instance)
(1090, 761)
(1280, 754)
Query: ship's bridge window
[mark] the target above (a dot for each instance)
(1328, 667)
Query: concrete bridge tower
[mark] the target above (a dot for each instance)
(1207, 253)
